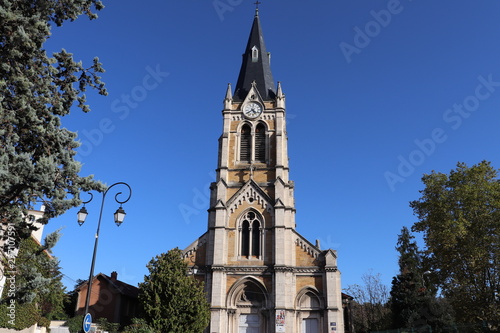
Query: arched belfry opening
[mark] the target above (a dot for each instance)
(246, 144)
(248, 305)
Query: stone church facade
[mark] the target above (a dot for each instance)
(260, 274)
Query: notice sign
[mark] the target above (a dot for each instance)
(280, 320)
(333, 326)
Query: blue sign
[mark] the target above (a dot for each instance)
(87, 321)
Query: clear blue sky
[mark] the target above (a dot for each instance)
(378, 93)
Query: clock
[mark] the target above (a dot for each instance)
(252, 110)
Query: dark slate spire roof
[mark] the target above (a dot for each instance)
(254, 68)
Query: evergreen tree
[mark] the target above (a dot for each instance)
(37, 160)
(138, 326)
(171, 300)
(71, 299)
(459, 215)
(410, 292)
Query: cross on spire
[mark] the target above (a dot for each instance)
(257, 3)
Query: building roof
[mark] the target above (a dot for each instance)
(122, 287)
(256, 66)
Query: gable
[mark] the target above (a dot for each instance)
(252, 194)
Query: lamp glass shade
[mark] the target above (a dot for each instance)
(82, 215)
(119, 216)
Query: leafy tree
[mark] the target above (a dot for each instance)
(106, 326)
(38, 295)
(74, 324)
(459, 214)
(369, 311)
(71, 299)
(37, 160)
(171, 300)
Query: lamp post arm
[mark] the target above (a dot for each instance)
(91, 275)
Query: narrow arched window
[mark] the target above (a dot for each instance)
(255, 238)
(245, 238)
(260, 143)
(251, 235)
(245, 144)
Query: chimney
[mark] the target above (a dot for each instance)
(114, 276)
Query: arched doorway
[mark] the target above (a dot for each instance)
(248, 307)
(309, 305)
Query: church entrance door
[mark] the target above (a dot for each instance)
(249, 323)
(310, 325)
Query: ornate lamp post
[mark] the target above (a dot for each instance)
(119, 216)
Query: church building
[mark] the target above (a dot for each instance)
(260, 274)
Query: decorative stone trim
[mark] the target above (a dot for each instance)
(191, 249)
(217, 268)
(284, 269)
(307, 247)
(331, 269)
(250, 193)
(263, 270)
(239, 117)
(307, 270)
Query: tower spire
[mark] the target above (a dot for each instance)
(256, 65)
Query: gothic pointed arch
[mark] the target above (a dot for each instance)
(248, 303)
(309, 304)
(260, 140)
(248, 291)
(250, 234)
(245, 143)
(309, 298)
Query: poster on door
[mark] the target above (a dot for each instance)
(280, 321)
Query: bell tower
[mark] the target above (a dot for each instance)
(260, 274)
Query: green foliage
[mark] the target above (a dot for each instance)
(71, 298)
(409, 286)
(105, 325)
(37, 161)
(459, 215)
(171, 300)
(138, 326)
(75, 324)
(413, 295)
(24, 316)
(39, 293)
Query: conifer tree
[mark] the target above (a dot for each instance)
(36, 90)
(171, 300)
(410, 292)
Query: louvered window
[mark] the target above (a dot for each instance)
(260, 143)
(246, 144)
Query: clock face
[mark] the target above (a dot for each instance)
(252, 110)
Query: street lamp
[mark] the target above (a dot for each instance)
(119, 216)
(194, 268)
